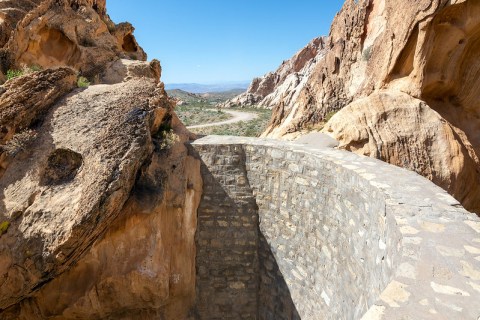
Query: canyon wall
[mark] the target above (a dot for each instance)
(286, 81)
(98, 193)
(74, 33)
(403, 78)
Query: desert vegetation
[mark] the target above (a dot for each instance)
(24, 70)
(251, 128)
(200, 113)
(196, 109)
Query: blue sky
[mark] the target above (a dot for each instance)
(215, 41)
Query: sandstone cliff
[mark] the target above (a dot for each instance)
(405, 77)
(285, 81)
(74, 33)
(99, 194)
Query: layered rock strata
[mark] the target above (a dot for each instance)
(404, 78)
(286, 80)
(74, 33)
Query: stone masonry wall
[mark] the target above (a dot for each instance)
(237, 274)
(340, 237)
(327, 229)
(274, 298)
(227, 238)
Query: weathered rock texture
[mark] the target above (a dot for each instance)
(11, 12)
(284, 82)
(421, 86)
(405, 76)
(74, 33)
(23, 103)
(99, 195)
(99, 203)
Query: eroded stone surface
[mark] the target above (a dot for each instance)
(403, 77)
(100, 208)
(74, 33)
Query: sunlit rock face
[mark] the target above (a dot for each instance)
(74, 33)
(424, 111)
(98, 205)
(420, 56)
(285, 81)
(98, 193)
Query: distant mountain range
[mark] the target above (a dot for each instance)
(204, 88)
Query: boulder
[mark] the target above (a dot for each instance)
(124, 70)
(407, 132)
(87, 206)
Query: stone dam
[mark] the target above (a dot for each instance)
(287, 231)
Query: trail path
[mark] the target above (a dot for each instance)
(238, 116)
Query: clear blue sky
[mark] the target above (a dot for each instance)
(214, 41)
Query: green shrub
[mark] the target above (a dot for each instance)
(4, 227)
(167, 139)
(83, 82)
(11, 74)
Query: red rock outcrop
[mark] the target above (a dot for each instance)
(74, 33)
(422, 57)
(89, 204)
(99, 194)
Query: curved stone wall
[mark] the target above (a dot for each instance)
(327, 228)
(345, 236)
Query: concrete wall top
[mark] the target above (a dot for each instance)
(438, 273)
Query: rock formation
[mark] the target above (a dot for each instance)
(11, 12)
(429, 70)
(99, 195)
(405, 77)
(74, 33)
(57, 224)
(285, 82)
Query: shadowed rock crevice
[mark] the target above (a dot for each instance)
(62, 166)
(129, 44)
(51, 48)
(405, 62)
